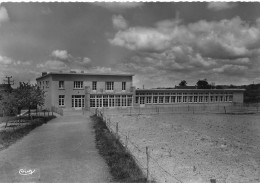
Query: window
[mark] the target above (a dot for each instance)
(142, 100)
(94, 85)
(206, 98)
(195, 98)
(200, 98)
(190, 98)
(78, 84)
(161, 99)
(155, 99)
(167, 99)
(110, 85)
(61, 100)
(123, 85)
(92, 101)
(47, 84)
(61, 84)
(178, 99)
(185, 99)
(129, 100)
(118, 100)
(148, 100)
(105, 101)
(111, 101)
(137, 100)
(172, 99)
(123, 100)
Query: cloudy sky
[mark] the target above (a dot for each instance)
(161, 43)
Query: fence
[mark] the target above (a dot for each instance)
(149, 164)
(141, 156)
(188, 108)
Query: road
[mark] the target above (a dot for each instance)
(63, 150)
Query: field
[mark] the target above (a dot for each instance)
(193, 147)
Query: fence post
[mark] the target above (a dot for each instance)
(117, 128)
(147, 157)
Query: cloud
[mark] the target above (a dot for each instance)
(5, 60)
(60, 54)
(216, 49)
(217, 6)
(119, 22)
(139, 38)
(119, 6)
(3, 15)
(231, 69)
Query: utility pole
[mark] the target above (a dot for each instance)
(9, 81)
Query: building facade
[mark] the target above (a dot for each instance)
(81, 90)
(191, 96)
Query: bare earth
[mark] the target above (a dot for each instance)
(196, 147)
(63, 150)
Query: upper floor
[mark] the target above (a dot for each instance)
(97, 83)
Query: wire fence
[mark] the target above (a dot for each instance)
(142, 156)
(220, 108)
(149, 164)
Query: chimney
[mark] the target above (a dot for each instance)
(44, 73)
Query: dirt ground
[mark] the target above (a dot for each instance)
(195, 147)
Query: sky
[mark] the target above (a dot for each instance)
(160, 43)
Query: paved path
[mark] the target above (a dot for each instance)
(63, 150)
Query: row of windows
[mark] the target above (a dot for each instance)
(165, 94)
(79, 85)
(110, 100)
(180, 99)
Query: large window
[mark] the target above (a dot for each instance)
(167, 99)
(160, 99)
(61, 84)
(123, 100)
(123, 85)
(118, 100)
(78, 101)
(111, 101)
(78, 84)
(129, 100)
(148, 100)
(110, 85)
(105, 101)
(92, 101)
(172, 99)
(94, 85)
(61, 100)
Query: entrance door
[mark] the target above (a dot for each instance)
(78, 101)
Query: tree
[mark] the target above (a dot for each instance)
(183, 83)
(28, 96)
(203, 84)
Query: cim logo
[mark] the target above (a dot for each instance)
(26, 172)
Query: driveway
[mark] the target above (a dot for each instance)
(63, 150)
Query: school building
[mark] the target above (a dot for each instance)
(84, 90)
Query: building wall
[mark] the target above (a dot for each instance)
(238, 97)
(53, 92)
(129, 97)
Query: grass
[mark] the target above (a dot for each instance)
(15, 132)
(122, 166)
